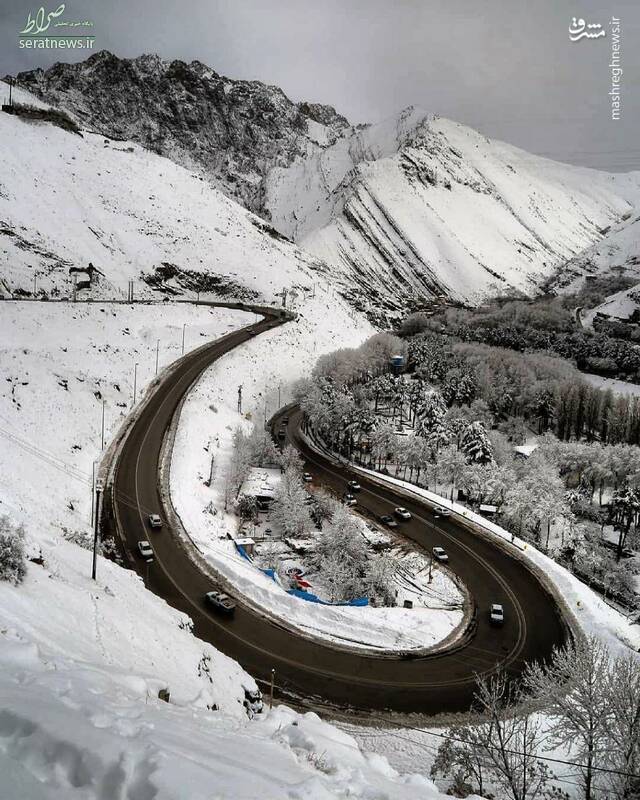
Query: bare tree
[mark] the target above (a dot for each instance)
(623, 728)
(572, 687)
(502, 750)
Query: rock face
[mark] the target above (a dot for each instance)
(234, 131)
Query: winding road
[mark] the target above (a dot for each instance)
(304, 668)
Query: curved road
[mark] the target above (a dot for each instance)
(431, 684)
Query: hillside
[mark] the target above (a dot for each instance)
(401, 211)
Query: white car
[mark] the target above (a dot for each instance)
(496, 614)
(402, 513)
(155, 521)
(353, 486)
(440, 555)
(441, 511)
(146, 551)
(307, 477)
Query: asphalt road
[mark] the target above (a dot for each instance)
(433, 684)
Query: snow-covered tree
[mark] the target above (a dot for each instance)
(476, 445)
(501, 751)
(12, 556)
(572, 687)
(289, 511)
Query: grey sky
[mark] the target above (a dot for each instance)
(505, 67)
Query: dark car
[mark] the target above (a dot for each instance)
(496, 614)
(353, 486)
(220, 602)
(389, 521)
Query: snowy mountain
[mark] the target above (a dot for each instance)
(233, 131)
(401, 211)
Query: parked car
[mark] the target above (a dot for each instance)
(496, 614)
(281, 434)
(349, 500)
(252, 700)
(389, 521)
(307, 477)
(220, 602)
(402, 513)
(146, 551)
(441, 511)
(155, 521)
(440, 555)
(354, 486)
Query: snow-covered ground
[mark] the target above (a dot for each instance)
(58, 363)
(266, 367)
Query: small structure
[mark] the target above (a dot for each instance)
(246, 543)
(397, 364)
(261, 483)
(489, 510)
(524, 450)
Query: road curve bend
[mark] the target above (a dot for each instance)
(317, 672)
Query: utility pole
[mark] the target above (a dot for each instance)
(102, 435)
(430, 565)
(183, 330)
(278, 395)
(135, 382)
(157, 353)
(35, 277)
(10, 93)
(240, 399)
(273, 678)
(93, 491)
(75, 286)
(96, 530)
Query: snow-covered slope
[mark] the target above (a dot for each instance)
(421, 205)
(617, 252)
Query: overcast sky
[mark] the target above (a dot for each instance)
(505, 67)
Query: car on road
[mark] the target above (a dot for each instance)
(496, 614)
(353, 486)
(389, 521)
(307, 477)
(220, 602)
(146, 551)
(440, 555)
(441, 511)
(349, 500)
(402, 513)
(281, 434)
(155, 521)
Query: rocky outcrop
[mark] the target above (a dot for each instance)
(234, 131)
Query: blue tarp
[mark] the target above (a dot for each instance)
(270, 573)
(312, 598)
(243, 553)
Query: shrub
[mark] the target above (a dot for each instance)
(12, 557)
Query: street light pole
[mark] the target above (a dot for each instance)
(273, 678)
(102, 434)
(135, 381)
(157, 353)
(96, 530)
(430, 565)
(183, 330)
